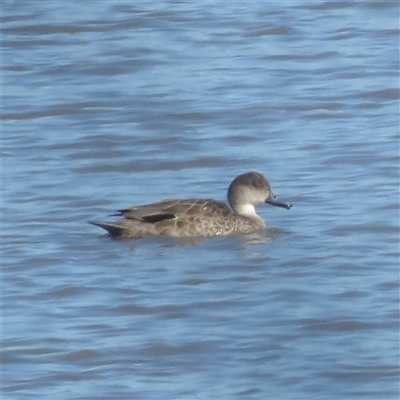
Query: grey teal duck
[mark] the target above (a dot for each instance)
(199, 217)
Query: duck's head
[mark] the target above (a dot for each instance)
(251, 189)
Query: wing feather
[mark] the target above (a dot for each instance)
(176, 209)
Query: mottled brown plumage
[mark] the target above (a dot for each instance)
(199, 217)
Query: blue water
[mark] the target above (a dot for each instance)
(112, 104)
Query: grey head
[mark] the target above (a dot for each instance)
(250, 189)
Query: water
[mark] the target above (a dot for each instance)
(126, 103)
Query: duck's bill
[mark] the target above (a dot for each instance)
(275, 202)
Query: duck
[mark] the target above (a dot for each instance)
(199, 217)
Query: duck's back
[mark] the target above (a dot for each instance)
(177, 210)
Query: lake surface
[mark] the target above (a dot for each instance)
(111, 104)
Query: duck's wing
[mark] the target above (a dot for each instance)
(176, 209)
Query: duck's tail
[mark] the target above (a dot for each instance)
(115, 230)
